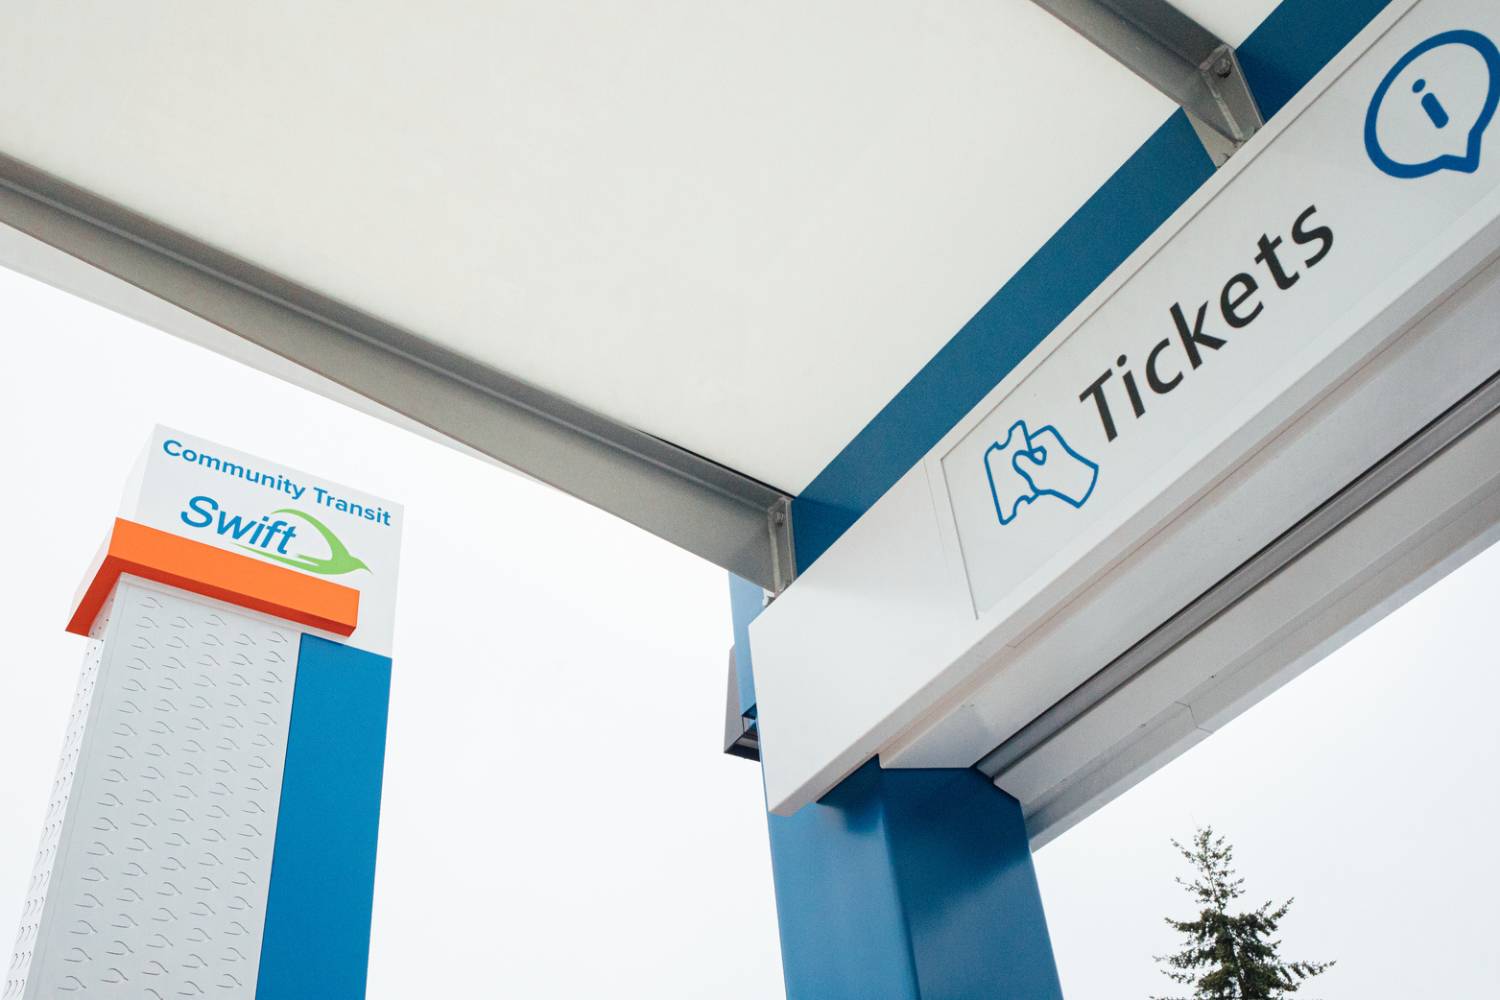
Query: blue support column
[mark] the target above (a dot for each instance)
(900, 885)
(910, 885)
(317, 936)
(905, 884)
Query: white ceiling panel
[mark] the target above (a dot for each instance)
(1231, 21)
(739, 227)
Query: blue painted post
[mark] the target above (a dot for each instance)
(905, 885)
(317, 930)
(910, 885)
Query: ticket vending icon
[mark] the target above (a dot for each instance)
(1029, 465)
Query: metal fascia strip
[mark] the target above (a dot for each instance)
(1176, 55)
(1339, 509)
(741, 735)
(712, 511)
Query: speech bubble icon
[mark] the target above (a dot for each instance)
(1431, 110)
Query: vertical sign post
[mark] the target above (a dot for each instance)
(213, 821)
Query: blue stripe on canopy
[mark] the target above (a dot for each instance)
(1288, 49)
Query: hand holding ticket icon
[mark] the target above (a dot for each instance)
(1009, 488)
(1028, 465)
(1054, 469)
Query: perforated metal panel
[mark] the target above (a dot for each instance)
(152, 877)
(57, 806)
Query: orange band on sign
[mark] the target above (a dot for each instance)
(226, 576)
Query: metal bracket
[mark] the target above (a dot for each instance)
(712, 511)
(1176, 55)
(741, 737)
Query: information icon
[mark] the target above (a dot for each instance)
(1431, 110)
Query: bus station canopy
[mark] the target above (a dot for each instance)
(738, 230)
(764, 280)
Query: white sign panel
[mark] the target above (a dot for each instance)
(251, 506)
(1291, 270)
(1239, 303)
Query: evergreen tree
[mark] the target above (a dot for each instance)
(1230, 956)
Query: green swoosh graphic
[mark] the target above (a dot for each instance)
(339, 560)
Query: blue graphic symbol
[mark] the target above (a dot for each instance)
(1431, 110)
(1026, 466)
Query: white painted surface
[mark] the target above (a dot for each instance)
(1398, 246)
(27, 932)
(1232, 22)
(756, 222)
(214, 494)
(1422, 530)
(1389, 399)
(917, 616)
(164, 822)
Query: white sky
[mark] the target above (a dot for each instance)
(557, 821)
(1365, 788)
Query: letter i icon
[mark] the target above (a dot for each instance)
(1431, 104)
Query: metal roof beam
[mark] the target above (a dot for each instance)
(1176, 55)
(709, 510)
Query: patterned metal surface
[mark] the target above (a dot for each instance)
(152, 877)
(62, 786)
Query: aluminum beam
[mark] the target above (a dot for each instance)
(709, 510)
(1176, 55)
(1339, 510)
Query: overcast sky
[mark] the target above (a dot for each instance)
(557, 821)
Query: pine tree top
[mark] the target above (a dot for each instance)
(1229, 956)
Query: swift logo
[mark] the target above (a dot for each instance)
(269, 539)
